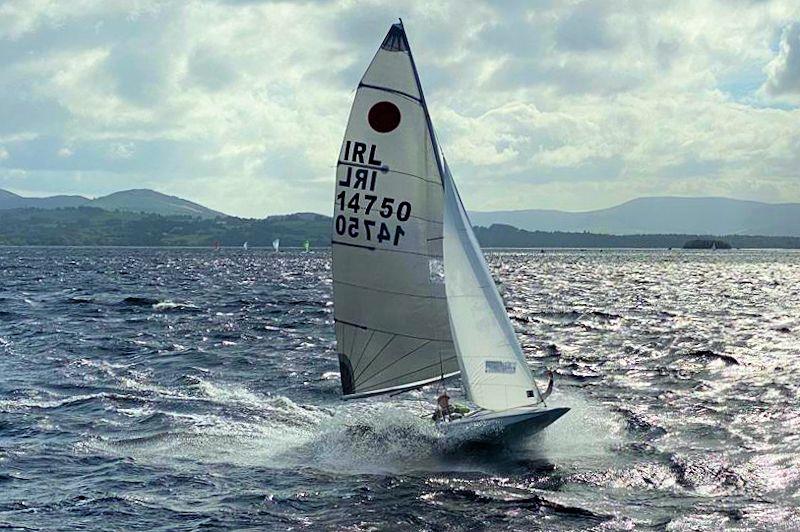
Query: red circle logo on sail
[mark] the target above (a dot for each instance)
(384, 117)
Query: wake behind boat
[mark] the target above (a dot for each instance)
(415, 302)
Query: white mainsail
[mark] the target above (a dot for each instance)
(276, 244)
(494, 372)
(392, 326)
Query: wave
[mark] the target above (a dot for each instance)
(139, 301)
(172, 305)
(250, 429)
(711, 355)
(16, 405)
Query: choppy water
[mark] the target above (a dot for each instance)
(161, 389)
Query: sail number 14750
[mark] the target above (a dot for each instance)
(379, 231)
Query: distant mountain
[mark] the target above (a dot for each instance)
(662, 215)
(150, 201)
(137, 200)
(9, 200)
(298, 216)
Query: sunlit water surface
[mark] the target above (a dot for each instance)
(156, 389)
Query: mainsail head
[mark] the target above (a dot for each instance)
(392, 326)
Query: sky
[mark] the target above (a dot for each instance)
(241, 105)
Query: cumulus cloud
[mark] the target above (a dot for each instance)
(241, 104)
(783, 72)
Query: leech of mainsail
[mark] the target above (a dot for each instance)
(392, 326)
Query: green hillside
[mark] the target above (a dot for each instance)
(90, 226)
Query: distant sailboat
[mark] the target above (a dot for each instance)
(276, 244)
(244, 246)
(307, 246)
(414, 300)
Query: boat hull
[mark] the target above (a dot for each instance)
(500, 427)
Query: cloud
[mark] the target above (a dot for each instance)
(783, 72)
(585, 28)
(241, 104)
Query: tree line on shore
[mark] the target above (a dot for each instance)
(89, 226)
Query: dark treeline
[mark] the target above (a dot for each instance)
(506, 236)
(89, 226)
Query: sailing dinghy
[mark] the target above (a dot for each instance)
(414, 300)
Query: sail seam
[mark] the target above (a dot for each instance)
(423, 344)
(383, 169)
(421, 369)
(363, 350)
(427, 220)
(409, 386)
(376, 357)
(337, 242)
(387, 170)
(337, 320)
(388, 291)
(371, 248)
(387, 89)
(417, 176)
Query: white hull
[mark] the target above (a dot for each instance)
(497, 427)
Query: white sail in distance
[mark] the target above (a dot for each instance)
(276, 244)
(494, 372)
(392, 326)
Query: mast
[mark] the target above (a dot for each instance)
(424, 104)
(431, 132)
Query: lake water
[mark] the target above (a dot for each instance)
(186, 388)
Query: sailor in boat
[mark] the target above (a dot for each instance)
(445, 411)
(443, 408)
